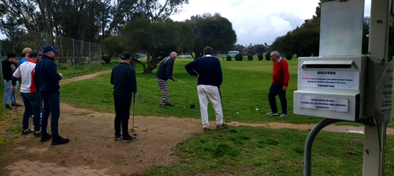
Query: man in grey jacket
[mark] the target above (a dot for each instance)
(163, 74)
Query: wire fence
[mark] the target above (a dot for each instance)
(75, 57)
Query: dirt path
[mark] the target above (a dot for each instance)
(93, 151)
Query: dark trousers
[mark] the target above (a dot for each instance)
(277, 89)
(51, 105)
(32, 102)
(122, 110)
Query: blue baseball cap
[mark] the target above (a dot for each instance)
(48, 48)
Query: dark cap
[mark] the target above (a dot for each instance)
(39, 53)
(124, 56)
(48, 48)
(32, 54)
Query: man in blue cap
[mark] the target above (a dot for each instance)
(47, 80)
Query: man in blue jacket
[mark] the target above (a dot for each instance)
(125, 84)
(209, 74)
(47, 80)
(163, 74)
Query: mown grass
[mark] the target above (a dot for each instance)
(244, 89)
(4, 120)
(262, 151)
(70, 71)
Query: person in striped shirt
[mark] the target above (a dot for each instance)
(31, 97)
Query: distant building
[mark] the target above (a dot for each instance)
(231, 53)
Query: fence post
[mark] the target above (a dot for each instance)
(73, 59)
(46, 38)
(90, 58)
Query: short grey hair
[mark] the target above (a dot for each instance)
(173, 54)
(275, 53)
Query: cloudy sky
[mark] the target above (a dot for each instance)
(257, 21)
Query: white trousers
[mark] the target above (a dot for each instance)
(206, 92)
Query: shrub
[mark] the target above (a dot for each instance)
(289, 56)
(267, 56)
(260, 57)
(228, 58)
(250, 57)
(239, 57)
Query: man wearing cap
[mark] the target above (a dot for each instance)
(47, 80)
(125, 84)
(163, 74)
(24, 55)
(31, 97)
(8, 67)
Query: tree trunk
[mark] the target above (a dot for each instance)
(151, 66)
(134, 63)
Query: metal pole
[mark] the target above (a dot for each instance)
(309, 142)
(73, 60)
(90, 58)
(46, 39)
(375, 136)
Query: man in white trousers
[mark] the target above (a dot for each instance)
(209, 74)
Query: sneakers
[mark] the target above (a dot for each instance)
(283, 115)
(169, 104)
(162, 105)
(8, 107)
(37, 133)
(17, 105)
(272, 114)
(223, 126)
(206, 129)
(44, 139)
(118, 138)
(60, 141)
(26, 131)
(130, 139)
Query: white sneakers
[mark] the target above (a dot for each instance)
(275, 114)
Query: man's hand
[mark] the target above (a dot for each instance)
(61, 75)
(220, 87)
(173, 79)
(197, 76)
(13, 88)
(9, 81)
(284, 88)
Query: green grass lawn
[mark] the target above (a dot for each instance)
(262, 151)
(245, 88)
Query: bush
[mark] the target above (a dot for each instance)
(250, 57)
(239, 57)
(289, 56)
(260, 57)
(267, 56)
(228, 58)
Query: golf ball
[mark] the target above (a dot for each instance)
(237, 112)
(183, 107)
(257, 109)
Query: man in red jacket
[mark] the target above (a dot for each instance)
(280, 81)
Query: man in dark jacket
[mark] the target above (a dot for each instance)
(8, 67)
(125, 84)
(163, 74)
(209, 74)
(47, 80)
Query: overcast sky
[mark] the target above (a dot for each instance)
(257, 21)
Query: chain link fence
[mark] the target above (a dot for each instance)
(75, 57)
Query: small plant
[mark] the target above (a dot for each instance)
(250, 57)
(228, 58)
(239, 57)
(260, 57)
(267, 56)
(289, 56)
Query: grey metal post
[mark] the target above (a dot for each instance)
(46, 39)
(73, 60)
(90, 58)
(375, 136)
(309, 142)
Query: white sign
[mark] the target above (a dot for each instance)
(327, 104)
(329, 79)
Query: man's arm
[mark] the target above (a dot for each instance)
(133, 81)
(36, 78)
(220, 73)
(52, 72)
(112, 77)
(16, 75)
(190, 68)
(169, 67)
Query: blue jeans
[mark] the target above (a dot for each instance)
(51, 105)
(277, 89)
(32, 102)
(8, 94)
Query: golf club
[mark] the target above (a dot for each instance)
(192, 106)
(16, 112)
(133, 130)
(221, 101)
